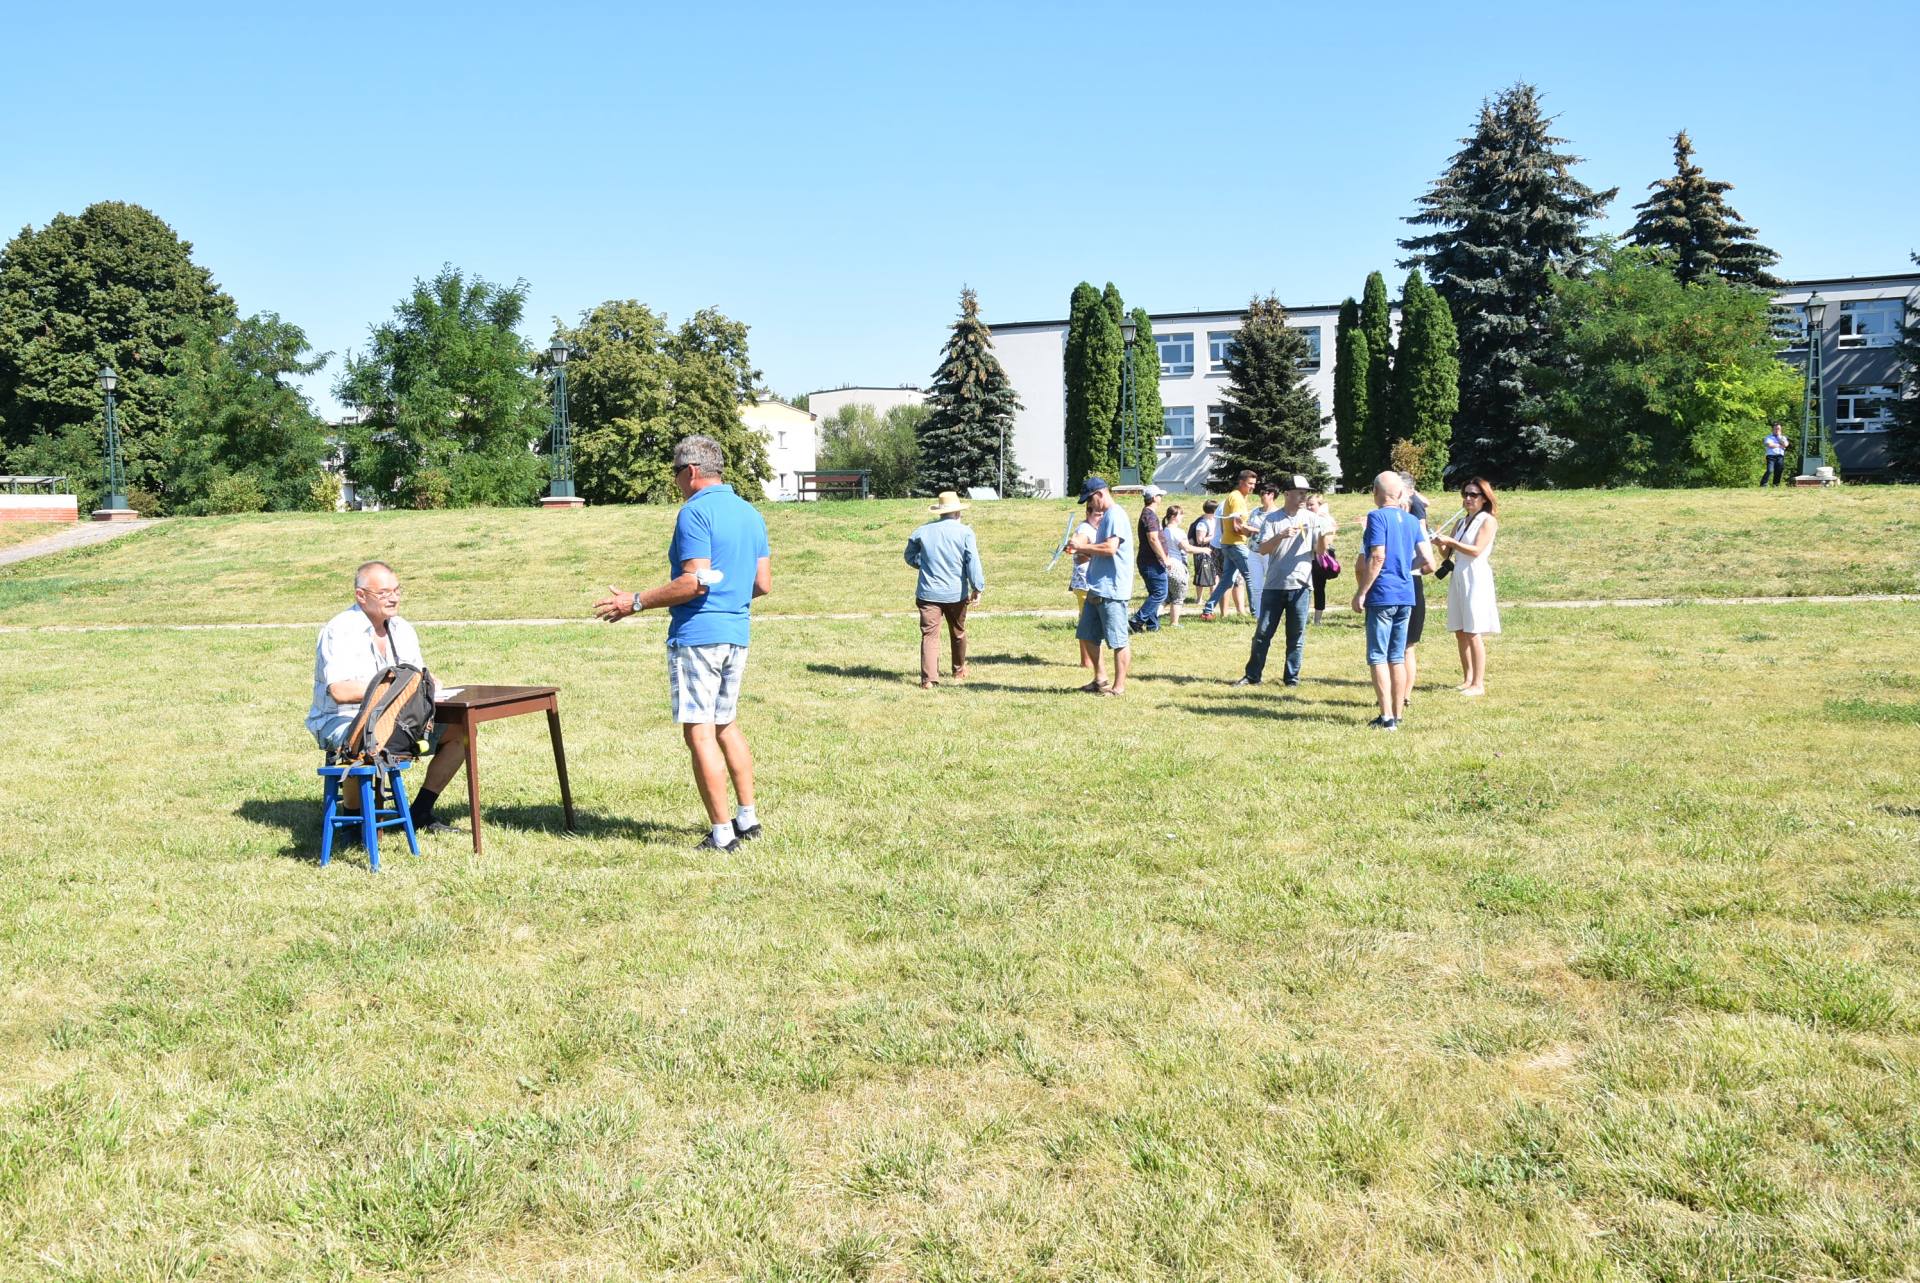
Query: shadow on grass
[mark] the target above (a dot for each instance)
(586, 824)
(1278, 712)
(864, 672)
(300, 818)
(1030, 661)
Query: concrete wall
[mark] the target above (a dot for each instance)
(39, 507)
(793, 443)
(828, 402)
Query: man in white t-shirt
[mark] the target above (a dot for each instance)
(1290, 538)
(354, 646)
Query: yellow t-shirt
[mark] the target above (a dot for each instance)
(1236, 505)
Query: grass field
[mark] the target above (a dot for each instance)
(499, 564)
(13, 533)
(1609, 976)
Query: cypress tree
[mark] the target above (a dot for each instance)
(1149, 413)
(1271, 417)
(1903, 440)
(1350, 409)
(1688, 217)
(971, 407)
(1426, 378)
(1510, 218)
(1376, 322)
(1092, 384)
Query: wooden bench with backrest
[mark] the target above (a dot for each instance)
(838, 483)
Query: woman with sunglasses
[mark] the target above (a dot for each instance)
(1472, 611)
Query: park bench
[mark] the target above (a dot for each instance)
(839, 483)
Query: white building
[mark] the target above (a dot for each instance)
(830, 401)
(1191, 349)
(793, 444)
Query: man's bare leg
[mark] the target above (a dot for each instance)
(1399, 675)
(1122, 662)
(709, 769)
(739, 758)
(1383, 690)
(447, 759)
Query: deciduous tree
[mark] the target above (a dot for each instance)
(887, 446)
(247, 439)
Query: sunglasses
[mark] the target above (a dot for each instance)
(1472, 494)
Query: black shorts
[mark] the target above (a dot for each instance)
(1417, 622)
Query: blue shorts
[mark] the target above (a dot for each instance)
(1387, 634)
(1103, 619)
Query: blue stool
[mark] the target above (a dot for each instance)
(371, 819)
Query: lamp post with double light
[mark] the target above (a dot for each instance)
(115, 507)
(1813, 430)
(1129, 430)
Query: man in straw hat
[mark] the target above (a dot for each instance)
(948, 558)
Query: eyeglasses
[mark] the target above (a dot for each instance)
(1472, 494)
(384, 594)
(678, 466)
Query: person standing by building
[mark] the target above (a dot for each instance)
(1153, 563)
(1776, 448)
(1326, 564)
(1179, 564)
(947, 556)
(720, 562)
(1389, 545)
(1472, 610)
(1290, 539)
(1110, 558)
(1235, 529)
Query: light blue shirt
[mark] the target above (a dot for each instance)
(719, 525)
(1112, 577)
(948, 558)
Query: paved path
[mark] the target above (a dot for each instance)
(78, 535)
(657, 619)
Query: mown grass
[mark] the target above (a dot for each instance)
(1608, 976)
(845, 557)
(13, 533)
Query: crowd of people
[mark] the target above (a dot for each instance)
(1265, 551)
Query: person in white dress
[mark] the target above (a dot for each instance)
(1472, 610)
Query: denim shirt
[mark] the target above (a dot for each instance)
(948, 559)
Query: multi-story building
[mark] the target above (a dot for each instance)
(1861, 377)
(792, 442)
(830, 401)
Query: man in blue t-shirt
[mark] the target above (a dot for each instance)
(719, 562)
(1392, 540)
(1110, 561)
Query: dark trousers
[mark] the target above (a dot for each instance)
(1319, 589)
(931, 613)
(1776, 464)
(1276, 604)
(1147, 618)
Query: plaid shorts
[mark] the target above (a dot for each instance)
(704, 682)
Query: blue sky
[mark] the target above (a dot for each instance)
(833, 174)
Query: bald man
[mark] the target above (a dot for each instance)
(1391, 545)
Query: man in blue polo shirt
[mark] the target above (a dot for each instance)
(1392, 540)
(720, 562)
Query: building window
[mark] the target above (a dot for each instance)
(1216, 420)
(1176, 353)
(1864, 408)
(783, 481)
(1312, 333)
(1219, 344)
(783, 440)
(1176, 427)
(1869, 322)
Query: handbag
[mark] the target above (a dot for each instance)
(1328, 563)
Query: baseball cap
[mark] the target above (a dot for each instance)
(1298, 482)
(1092, 487)
(1152, 492)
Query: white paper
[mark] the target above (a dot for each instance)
(448, 692)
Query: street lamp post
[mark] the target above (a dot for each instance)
(560, 488)
(1813, 422)
(115, 508)
(1129, 430)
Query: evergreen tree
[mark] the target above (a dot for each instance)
(1903, 440)
(1350, 408)
(1426, 379)
(114, 286)
(1148, 413)
(1271, 417)
(967, 435)
(1092, 360)
(1510, 219)
(1376, 322)
(1688, 217)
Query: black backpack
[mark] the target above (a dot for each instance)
(396, 714)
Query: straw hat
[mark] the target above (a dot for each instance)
(949, 501)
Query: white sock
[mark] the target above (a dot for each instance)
(744, 818)
(722, 833)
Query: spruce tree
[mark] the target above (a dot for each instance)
(1148, 412)
(1509, 218)
(1271, 417)
(1903, 440)
(1376, 322)
(1688, 217)
(1350, 406)
(968, 432)
(1426, 378)
(1092, 361)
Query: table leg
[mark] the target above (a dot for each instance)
(473, 779)
(560, 760)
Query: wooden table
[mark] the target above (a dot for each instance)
(477, 704)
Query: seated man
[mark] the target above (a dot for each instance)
(354, 646)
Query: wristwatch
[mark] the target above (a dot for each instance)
(636, 607)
